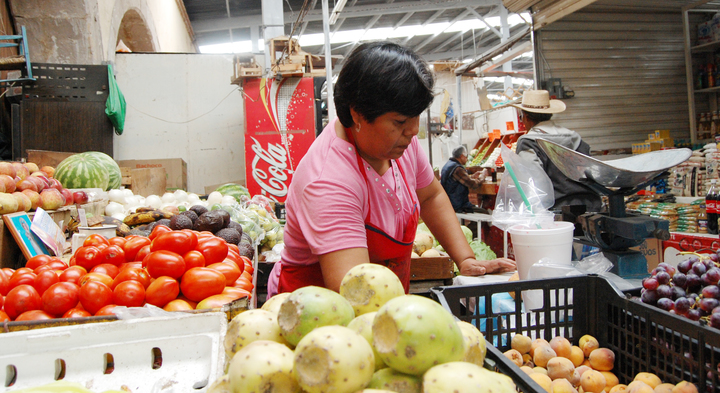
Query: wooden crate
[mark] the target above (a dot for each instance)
(144, 181)
(426, 273)
(46, 157)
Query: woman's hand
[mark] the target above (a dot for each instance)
(473, 267)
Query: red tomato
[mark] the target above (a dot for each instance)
(117, 241)
(113, 255)
(4, 317)
(133, 245)
(129, 293)
(60, 298)
(106, 311)
(8, 272)
(76, 313)
(190, 302)
(247, 275)
(103, 278)
(165, 263)
(71, 262)
(106, 268)
(229, 270)
(95, 295)
(143, 253)
(4, 283)
(235, 260)
(178, 242)
(88, 257)
(20, 278)
(22, 270)
(37, 261)
(215, 301)
(45, 280)
(193, 259)
(201, 282)
(234, 248)
(95, 240)
(214, 249)
(161, 291)
(55, 265)
(130, 264)
(175, 305)
(243, 283)
(73, 274)
(132, 273)
(239, 292)
(20, 299)
(33, 315)
(157, 230)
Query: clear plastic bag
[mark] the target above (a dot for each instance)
(148, 310)
(510, 206)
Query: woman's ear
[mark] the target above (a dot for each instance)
(355, 116)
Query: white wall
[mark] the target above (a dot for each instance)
(183, 106)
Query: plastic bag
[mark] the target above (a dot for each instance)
(148, 310)
(510, 206)
(115, 104)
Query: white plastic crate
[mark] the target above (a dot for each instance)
(182, 353)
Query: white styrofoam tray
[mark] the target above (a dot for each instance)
(182, 353)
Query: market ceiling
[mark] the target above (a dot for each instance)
(472, 25)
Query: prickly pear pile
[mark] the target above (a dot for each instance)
(369, 336)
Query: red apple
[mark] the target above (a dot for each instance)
(34, 198)
(80, 197)
(49, 171)
(26, 184)
(32, 167)
(51, 199)
(24, 203)
(20, 170)
(55, 183)
(7, 168)
(68, 196)
(40, 183)
(8, 182)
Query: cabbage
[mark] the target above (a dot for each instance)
(467, 232)
(482, 251)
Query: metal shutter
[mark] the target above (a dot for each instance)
(625, 62)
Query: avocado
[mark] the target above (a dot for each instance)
(245, 238)
(246, 250)
(199, 209)
(234, 225)
(190, 214)
(211, 221)
(181, 221)
(230, 235)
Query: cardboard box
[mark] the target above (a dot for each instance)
(652, 251)
(662, 134)
(175, 168)
(695, 242)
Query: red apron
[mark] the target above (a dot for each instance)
(383, 249)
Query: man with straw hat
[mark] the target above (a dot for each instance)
(537, 110)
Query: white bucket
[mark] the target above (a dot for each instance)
(106, 230)
(552, 241)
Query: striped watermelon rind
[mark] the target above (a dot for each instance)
(82, 171)
(112, 167)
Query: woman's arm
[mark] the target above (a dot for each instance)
(440, 218)
(336, 264)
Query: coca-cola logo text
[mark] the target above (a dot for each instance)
(276, 159)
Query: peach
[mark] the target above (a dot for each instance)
(49, 171)
(39, 182)
(8, 203)
(527, 358)
(527, 370)
(32, 167)
(51, 199)
(7, 168)
(619, 388)
(586, 363)
(562, 385)
(34, 198)
(24, 203)
(536, 343)
(560, 367)
(2, 187)
(602, 359)
(26, 184)
(543, 380)
(540, 370)
(543, 354)
(582, 369)
(575, 379)
(639, 387)
(592, 382)
(610, 380)
(561, 346)
(577, 356)
(521, 343)
(514, 356)
(8, 182)
(685, 387)
(588, 344)
(20, 170)
(650, 379)
(664, 388)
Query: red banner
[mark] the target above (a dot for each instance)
(279, 129)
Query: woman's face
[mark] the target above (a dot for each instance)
(387, 137)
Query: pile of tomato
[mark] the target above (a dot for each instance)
(174, 270)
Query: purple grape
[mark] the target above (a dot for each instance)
(716, 310)
(694, 314)
(663, 278)
(664, 291)
(693, 259)
(692, 297)
(678, 293)
(667, 304)
(650, 283)
(713, 275)
(699, 269)
(649, 297)
(715, 321)
(707, 304)
(714, 257)
(711, 291)
(680, 280)
(668, 268)
(693, 281)
(684, 266)
(682, 305)
(708, 264)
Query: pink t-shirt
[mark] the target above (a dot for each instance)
(328, 200)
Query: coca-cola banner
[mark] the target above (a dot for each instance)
(280, 127)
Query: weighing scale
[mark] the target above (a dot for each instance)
(616, 230)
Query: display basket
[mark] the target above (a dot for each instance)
(644, 338)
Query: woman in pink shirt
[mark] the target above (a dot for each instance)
(358, 193)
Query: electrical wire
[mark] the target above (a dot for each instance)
(301, 16)
(193, 119)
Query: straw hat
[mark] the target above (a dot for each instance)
(539, 101)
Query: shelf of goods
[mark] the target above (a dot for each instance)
(489, 148)
(702, 59)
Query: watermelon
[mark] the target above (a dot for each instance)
(234, 190)
(112, 167)
(82, 171)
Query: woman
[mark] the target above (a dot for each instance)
(358, 193)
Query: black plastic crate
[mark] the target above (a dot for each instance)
(644, 338)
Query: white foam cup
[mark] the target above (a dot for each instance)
(552, 241)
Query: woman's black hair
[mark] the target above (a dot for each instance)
(537, 117)
(382, 77)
